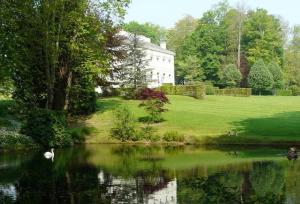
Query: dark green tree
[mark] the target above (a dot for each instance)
(231, 76)
(260, 79)
(277, 74)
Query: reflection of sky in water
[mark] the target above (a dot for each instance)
(8, 190)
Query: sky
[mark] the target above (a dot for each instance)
(166, 12)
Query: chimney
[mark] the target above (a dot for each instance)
(163, 44)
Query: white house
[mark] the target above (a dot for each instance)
(160, 61)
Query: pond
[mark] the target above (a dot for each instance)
(151, 174)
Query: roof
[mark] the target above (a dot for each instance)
(157, 48)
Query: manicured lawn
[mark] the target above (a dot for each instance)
(256, 118)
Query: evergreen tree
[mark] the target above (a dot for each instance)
(260, 79)
(277, 74)
(231, 76)
(134, 72)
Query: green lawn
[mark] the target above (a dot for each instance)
(255, 118)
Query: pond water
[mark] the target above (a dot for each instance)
(151, 174)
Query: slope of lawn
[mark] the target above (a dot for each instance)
(255, 118)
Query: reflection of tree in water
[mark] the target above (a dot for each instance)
(263, 184)
(267, 180)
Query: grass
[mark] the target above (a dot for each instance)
(256, 119)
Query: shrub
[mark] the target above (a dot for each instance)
(196, 91)
(82, 100)
(209, 88)
(149, 133)
(124, 125)
(231, 76)
(260, 79)
(78, 134)
(295, 90)
(173, 136)
(153, 102)
(47, 128)
(234, 92)
(13, 139)
(283, 92)
(277, 74)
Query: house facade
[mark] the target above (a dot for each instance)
(160, 61)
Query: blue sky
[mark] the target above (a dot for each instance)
(167, 12)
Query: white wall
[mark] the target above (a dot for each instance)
(162, 68)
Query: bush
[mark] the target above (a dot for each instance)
(209, 88)
(124, 125)
(295, 90)
(78, 134)
(234, 92)
(149, 133)
(260, 78)
(82, 100)
(283, 92)
(153, 102)
(13, 139)
(173, 136)
(47, 128)
(231, 76)
(196, 91)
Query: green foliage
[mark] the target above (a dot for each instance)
(263, 37)
(277, 74)
(209, 88)
(295, 90)
(189, 70)
(283, 92)
(260, 79)
(183, 28)
(124, 125)
(149, 133)
(47, 128)
(234, 92)
(173, 136)
(231, 76)
(13, 139)
(154, 32)
(155, 108)
(79, 134)
(196, 91)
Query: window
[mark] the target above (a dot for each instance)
(170, 76)
(157, 58)
(158, 77)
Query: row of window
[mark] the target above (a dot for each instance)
(158, 58)
(162, 79)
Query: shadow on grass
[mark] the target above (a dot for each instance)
(107, 105)
(282, 127)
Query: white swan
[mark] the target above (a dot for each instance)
(49, 155)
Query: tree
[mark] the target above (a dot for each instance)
(60, 47)
(183, 28)
(292, 59)
(277, 74)
(231, 76)
(263, 38)
(189, 70)
(260, 79)
(134, 72)
(155, 32)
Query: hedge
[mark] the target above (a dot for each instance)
(234, 92)
(283, 92)
(196, 91)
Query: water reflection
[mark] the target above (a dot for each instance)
(143, 174)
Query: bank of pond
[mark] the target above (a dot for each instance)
(151, 174)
